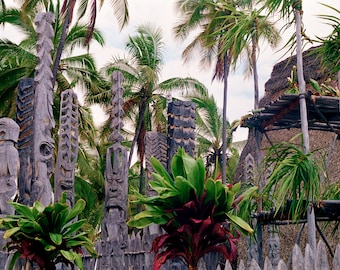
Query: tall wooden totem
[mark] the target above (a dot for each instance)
(114, 229)
(67, 147)
(43, 115)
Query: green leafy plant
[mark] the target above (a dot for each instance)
(295, 178)
(194, 212)
(46, 235)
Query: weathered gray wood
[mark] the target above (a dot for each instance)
(273, 245)
(43, 115)
(267, 264)
(227, 266)
(298, 260)
(155, 146)
(281, 265)
(9, 163)
(114, 229)
(24, 118)
(241, 265)
(181, 128)
(336, 259)
(309, 257)
(67, 147)
(321, 260)
(254, 265)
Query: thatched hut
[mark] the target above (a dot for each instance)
(282, 123)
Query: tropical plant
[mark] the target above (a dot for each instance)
(286, 10)
(208, 16)
(295, 177)
(209, 133)
(76, 71)
(19, 61)
(329, 52)
(144, 95)
(246, 31)
(47, 235)
(194, 212)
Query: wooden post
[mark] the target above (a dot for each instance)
(43, 115)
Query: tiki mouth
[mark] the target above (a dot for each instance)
(66, 184)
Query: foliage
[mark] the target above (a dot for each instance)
(295, 176)
(329, 50)
(46, 235)
(194, 212)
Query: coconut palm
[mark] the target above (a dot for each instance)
(19, 61)
(329, 50)
(209, 133)
(144, 95)
(250, 28)
(287, 9)
(208, 16)
(67, 10)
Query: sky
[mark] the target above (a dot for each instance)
(162, 13)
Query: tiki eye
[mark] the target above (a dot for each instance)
(45, 149)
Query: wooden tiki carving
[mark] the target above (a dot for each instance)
(67, 147)
(43, 116)
(9, 163)
(25, 120)
(181, 127)
(115, 232)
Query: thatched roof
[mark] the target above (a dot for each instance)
(274, 102)
(278, 83)
(282, 110)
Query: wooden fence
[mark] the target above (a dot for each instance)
(138, 258)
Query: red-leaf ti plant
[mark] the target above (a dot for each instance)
(194, 212)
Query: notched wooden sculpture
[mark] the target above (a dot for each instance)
(9, 165)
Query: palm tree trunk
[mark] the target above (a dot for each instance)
(61, 43)
(141, 113)
(224, 119)
(255, 75)
(304, 124)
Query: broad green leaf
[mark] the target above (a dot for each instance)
(78, 261)
(76, 210)
(241, 224)
(49, 248)
(23, 210)
(159, 169)
(73, 227)
(39, 206)
(184, 187)
(8, 233)
(56, 238)
(68, 255)
(210, 187)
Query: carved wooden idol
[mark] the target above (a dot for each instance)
(9, 163)
(67, 147)
(115, 232)
(43, 116)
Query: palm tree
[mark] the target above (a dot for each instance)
(329, 50)
(250, 27)
(144, 95)
(209, 133)
(208, 16)
(67, 11)
(287, 9)
(19, 61)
